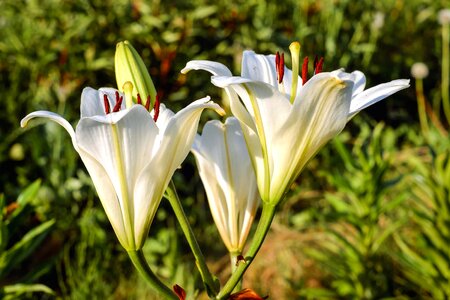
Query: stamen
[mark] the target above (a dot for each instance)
(156, 108)
(279, 65)
(118, 103)
(139, 100)
(147, 104)
(316, 59)
(294, 47)
(305, 70)
(106, 104)
(319, 66)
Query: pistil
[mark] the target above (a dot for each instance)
(294, 47)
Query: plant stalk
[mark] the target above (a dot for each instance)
(267, 215)
(212, 286)
(138, 259)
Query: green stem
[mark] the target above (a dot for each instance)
(267, 214)
(212, 286)
(138, 259)
(234, 264)
(445, 70)
(421, 106)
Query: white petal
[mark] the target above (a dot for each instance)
(227, 174)
(269, 110)
(262, 68)
(359, 82)
(259, 68)
(136, 134)
(174, 144)
(211, 66)
(107, 196)
(92, 101)
(53, 117)
(375, 94)
(318, 117)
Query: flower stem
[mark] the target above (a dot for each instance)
(138, 259)
(212, 285)
(445, 70)
(421, 106)
(234, 256)
(267, 214)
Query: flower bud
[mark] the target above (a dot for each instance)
(130, 67)
(444, 16)
(419, 70)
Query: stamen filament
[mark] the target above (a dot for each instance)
(294, 47)
(106, 104)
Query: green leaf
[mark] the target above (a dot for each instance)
(22, 249)
(16, 290)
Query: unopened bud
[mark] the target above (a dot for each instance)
(444, 16)
(130, 67)
(419, 70)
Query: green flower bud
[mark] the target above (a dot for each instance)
(130, 67)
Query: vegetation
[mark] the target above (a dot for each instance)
(368, 219)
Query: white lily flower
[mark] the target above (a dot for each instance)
(130, 157)
(229, 180)
(283, 132)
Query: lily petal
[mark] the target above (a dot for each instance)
(375, 94)
(174, 143)
(227, 175)
(316, 119)
(258, 67)
(92, 103)
(124, 149)
(213, 67)
(52, 117)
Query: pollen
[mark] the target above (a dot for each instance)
(279, 64)
(156, 108)
(106, 104)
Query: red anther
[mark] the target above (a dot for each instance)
(156, 108)
(279, 66)
(147, 104)
(118, 104)
(319, 66)
(139, 100)
(316, 60)
(179, 291)
(277, 60)
(280, 79)
(305, 70)
(106, 103)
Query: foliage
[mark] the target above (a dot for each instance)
(16, 279)
(424, 246)
(380, 192)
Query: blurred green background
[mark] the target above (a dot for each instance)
(368, 219)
